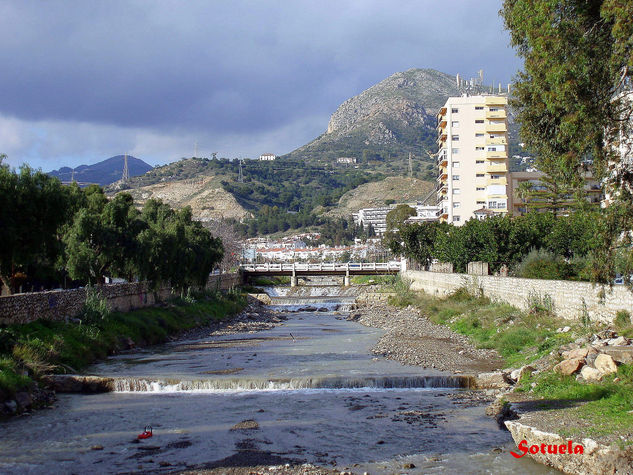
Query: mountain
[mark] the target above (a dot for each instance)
(102, 173)
(389, 120)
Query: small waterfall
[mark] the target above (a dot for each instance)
(312, 298)
(262, 384)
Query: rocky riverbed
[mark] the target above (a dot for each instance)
(413, 339)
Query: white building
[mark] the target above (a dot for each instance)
(472, 157)
(350, 160)
(267, 157)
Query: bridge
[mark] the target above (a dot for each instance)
(295, 270)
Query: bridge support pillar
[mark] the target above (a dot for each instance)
(346, 281)
(293, 281)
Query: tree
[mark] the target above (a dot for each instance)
(418, 240)
(572, 103)
(397, 216)
(32, 209)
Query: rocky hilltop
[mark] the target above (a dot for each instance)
(390, 119)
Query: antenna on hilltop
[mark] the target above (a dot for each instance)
(126, 172)
(72, 178)
(410, 166)
(241, 177)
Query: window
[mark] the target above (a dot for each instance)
(492, 149)
(455, 164)
(480, 188)
(482, 203)
(456, 191)
(479, 149)
(479, 121)
(479, 162)
(479, 175)
(455, 177)
(492, 204)
(454, 110)
(456, 204)
(495, 177)
(479, 135)
(493, 109)
(456, 219)
(454, 138)
(455, 150)
(479, 108)
(455, 123)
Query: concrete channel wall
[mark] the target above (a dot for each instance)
(570, 300)
(63, 304)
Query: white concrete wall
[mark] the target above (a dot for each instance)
(570, 299)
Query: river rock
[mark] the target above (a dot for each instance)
(11, 407)
(620, 354)
(521, 373)
(605, 364)
(495, 380)
(619, 341)
(24, 400)
(590, 374)
(72, 383)
(569, 366)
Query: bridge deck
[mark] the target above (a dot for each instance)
(364, 268)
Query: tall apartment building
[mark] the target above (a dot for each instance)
(472, 157)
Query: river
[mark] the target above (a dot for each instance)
(308, 389)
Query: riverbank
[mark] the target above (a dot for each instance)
(559, 380)
(30, 353)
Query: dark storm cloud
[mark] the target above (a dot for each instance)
(231, 67)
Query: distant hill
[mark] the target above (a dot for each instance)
(102, 173)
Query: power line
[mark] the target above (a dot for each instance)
(126, 172)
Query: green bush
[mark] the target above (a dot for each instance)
(542, 264)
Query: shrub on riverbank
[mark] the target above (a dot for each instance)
(519, 337)
(28, 351)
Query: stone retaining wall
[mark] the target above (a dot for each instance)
(570, 300)
(62, 304)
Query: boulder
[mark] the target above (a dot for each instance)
(620, 354)
(24, 400)
(569, 366)
(577, 353)
(72, 383)
(521, 373)
(605, 364)
(590, 374)
(619, 341)
(497, 380)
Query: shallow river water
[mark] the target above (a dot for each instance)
(311, 386)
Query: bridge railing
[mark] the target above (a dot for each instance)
(322, 267)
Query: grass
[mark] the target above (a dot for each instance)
(29, 351)
(606, 405)
(278, 280)
(373, 279)
(519, 337)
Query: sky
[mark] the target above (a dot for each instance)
(85, 80)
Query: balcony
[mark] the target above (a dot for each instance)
(441, 112)
(497, 141)
(443, 161)
(443, 175)
(494, 155)
(497, 181)
(441, 124)
(496, 168)
(501, 114)
(495, 100)
(442, 138)
(496, 127)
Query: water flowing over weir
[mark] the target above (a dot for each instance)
(307, 390)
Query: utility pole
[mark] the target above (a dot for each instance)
(410, 166)
(126, 172)
(241, 177)
(72, 178)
